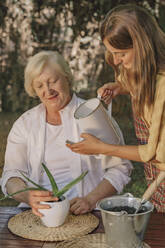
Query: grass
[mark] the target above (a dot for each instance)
(137, 185)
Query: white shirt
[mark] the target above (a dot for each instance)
(58, 158)
(26, 148)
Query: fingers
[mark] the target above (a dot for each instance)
(38, 205)
(35, 211)
(109, 91)
(40, 193)
(105, 89)
(101, 91)
(107, 98)
(38, 196)
(75, 146)
(76, 209)
(86, 136)
(79, 205)
(90, 145)
(35, 197)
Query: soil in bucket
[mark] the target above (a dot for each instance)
(129, 210)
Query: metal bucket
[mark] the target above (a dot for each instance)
(123, 230)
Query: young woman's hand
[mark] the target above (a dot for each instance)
(89, 145)
(36, 196)
(109, 91)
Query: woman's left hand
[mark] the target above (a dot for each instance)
(80, 205)
(89, 145)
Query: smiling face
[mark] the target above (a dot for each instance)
(120, 56)
(52, 88)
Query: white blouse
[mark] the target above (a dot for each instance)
(57, 158)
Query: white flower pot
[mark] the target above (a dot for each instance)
(56, 214)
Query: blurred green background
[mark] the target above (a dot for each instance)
(72, 28)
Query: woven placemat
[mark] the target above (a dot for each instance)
(88, 241)
(29, 226)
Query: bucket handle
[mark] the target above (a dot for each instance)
(128, 195)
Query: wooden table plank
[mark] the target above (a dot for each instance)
(155, 243)
(6, 245)
(9, 210)
(19, 243)
(155, 234)
(9, 236)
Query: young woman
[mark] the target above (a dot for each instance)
(135, 48)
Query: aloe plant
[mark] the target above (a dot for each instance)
(56, 192)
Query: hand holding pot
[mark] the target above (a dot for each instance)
(90, 145)
(35, 197)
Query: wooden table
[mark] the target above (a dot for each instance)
(155, 235)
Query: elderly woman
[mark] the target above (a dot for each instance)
(40, 134)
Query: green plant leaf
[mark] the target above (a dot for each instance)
(71, 184)
(37, 185)
(51, 179)
(55, 190)
(20, 191)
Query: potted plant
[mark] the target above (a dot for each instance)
(58, 211)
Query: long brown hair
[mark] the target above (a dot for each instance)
(130, 26)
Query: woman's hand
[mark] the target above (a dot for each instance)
(36, 196)
(80, 205)
(90, 145)
(109, 91)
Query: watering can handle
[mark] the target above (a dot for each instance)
(109, 105)
(110, 109)
(153, 186)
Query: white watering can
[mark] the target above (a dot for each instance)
(93, 118)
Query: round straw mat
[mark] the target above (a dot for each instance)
(29, 226)
(88, 241)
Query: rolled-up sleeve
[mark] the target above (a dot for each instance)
(119, 175)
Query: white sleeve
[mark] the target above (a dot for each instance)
(15, 155)
(119, 175)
